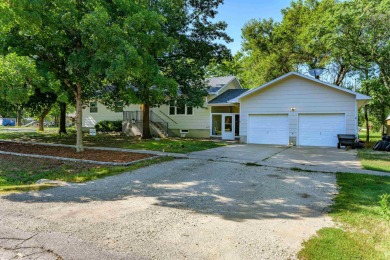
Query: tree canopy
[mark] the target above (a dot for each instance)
(88, 45)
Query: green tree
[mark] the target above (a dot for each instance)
(175, 56)
(151, 45)
(227, 67)
(266, 52)
(83, 43)
(40, 104)
(361, 33)
(18, 76)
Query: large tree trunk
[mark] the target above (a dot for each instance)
(145, 122)
(367, 123)
(19, 117)
(79, 114)
(42, 120)
(56, 121)
(40, 124)
(62, 129)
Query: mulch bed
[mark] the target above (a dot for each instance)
(67, 152)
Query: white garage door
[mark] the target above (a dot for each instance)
(268, 129)
(320, 129)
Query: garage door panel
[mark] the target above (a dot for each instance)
(268, 129)
(320, 129)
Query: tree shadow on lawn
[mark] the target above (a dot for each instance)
(229, 190)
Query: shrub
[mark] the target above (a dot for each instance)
(109, 126)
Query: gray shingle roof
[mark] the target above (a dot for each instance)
(227, 95)
(216, 83)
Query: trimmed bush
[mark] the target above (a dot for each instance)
(109, 126)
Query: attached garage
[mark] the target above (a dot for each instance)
(268, 129)
(299, 110)
(320, 129)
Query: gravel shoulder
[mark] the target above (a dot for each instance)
(185, 208)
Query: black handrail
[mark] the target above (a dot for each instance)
(168, 116)
(159, 121)
(153, 118)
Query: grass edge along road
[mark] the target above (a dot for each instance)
(171, 145)
(362, 219)
(19, 174)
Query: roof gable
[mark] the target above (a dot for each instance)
(226, 96)
(216, 84)
(359, 96)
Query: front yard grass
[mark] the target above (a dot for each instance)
(374, 160)
(363, 230)
(20, 173)
(173, 145)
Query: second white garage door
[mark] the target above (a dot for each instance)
(320, 129)
(268, 129)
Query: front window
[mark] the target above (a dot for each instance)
(217, 125)
(172, 108)
(118, 107)
(179, 109)
(228, 123)
(93, 107)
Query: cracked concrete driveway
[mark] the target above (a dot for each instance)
(313, 158)
(188, 208)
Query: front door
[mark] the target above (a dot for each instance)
(228, 127)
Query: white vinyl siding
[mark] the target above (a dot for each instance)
(104, 113)
(302, 94)
(320, 129)
(268, 129)
(199, 119)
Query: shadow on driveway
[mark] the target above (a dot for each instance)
(232, 191)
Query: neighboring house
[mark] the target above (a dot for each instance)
(292, 109)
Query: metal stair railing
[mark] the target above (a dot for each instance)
(157, 121)
(167, 116)
(161, 123)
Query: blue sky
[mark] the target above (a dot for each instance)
(237, 12)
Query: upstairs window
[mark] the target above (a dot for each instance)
(118, 107)
(93, 108)
(181, 109)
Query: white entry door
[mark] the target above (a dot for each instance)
(320, 129)
(228, 125)
(268, 129)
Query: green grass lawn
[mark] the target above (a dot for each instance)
(363, 231)
(374, 160)
(20, 173)
(174, 145)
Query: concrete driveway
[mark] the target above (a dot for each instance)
(183, 209)
(313, 158)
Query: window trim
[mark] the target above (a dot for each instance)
(175, 109)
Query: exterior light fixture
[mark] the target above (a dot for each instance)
(293, 109)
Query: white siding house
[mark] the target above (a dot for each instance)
(296, 109)
(195, 122)
(94, 112)
(293, 109)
